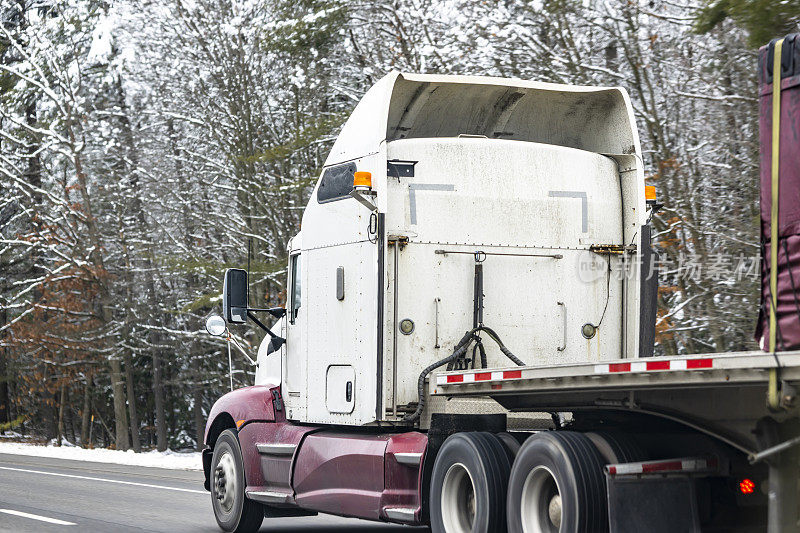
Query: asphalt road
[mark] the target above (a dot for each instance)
(48, 495)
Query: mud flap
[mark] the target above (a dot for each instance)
(208, 453)
(652, 504)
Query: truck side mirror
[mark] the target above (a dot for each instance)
(215, 325)
(234, 296)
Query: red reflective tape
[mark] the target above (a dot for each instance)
(458, 378)
(699, 363)
(658, 365)
(483, 376)
(661, 467)
(619, 367)
(512, 374)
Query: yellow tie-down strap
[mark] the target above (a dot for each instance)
(773, 399)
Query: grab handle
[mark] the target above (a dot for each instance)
(436, 324)
(564, 345)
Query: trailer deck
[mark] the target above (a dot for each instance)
(722, 395)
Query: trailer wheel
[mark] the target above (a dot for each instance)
(616, 448)
(233, 510)
(557, 486)
(468, 484)
(510, 442)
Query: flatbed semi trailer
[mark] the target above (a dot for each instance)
(721, 395)
(455, 351)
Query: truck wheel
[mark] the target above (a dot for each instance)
(557, 486)
(510, 442)
(468, 484)
(616, 448)
(233, 511)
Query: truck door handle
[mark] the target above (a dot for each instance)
(348, 392)
(564, 345)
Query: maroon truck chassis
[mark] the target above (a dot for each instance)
(294, 468)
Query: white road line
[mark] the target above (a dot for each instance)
(37, 517)
(105, 480)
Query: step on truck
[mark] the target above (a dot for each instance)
(467, 341)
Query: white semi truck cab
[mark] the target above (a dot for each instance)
(468, 335)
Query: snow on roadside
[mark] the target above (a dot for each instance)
(168, 459)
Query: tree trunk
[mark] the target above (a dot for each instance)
(199, 421)
(69, 419)
(61, 400)
(86, 414)
(48, 407)
(158, 387)
(5, 398)
(152, 426)
(134, 417)
(33, 176)
(120, 417)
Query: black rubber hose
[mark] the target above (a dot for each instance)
(482, 351)
(461, 348)
(496, 338)
(459, 351)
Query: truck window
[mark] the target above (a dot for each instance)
(295, 289)
(336, 183)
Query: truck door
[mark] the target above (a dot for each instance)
(340, 301)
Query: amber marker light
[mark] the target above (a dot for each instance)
(650, 193)
(746, 486)
(362, 181)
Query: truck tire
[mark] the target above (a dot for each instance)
(234, 512)
(468, 484)
(557, 486)
(510, 442)
(616, 448)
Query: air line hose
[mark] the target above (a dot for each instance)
(459, 350)
(478, 350)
